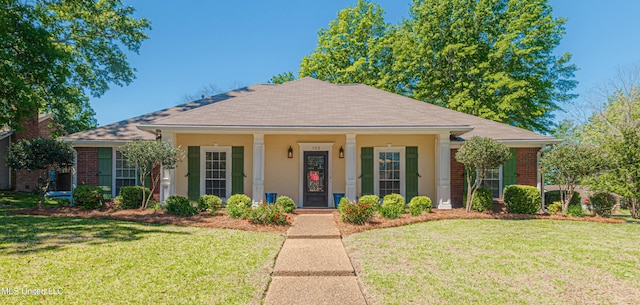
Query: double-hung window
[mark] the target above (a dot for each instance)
(215, 173)
(493, 181)
(126, 174)
(389, 170)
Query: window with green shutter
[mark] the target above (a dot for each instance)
(237, 170)
(366, 170)
(193, 175)
(412, 175)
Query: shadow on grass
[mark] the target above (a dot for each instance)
(21, 234)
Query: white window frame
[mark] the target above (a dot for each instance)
(114, 168)
(376, 168)
(500, 183)
(203, 168)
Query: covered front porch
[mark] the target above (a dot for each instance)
(310, 167)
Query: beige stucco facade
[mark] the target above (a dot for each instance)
(283, 175)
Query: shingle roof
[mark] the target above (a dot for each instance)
(127, 130)
(308, 103)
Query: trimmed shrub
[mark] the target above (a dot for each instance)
(554, 208)
(553, 196)
(373, 200)
(522, 199)
(132, 196)
(392, 206)
(482, 201)
(117, 202)
(237, 205)
(209, 203)
(88, 197)
(575, 210)
(286, 204)
(419, 204)
(180, 206)
(355, 212)
(602, 203)
(267, 214)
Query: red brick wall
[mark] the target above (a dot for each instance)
(526, 166)
(27, 180)
(457, 180)
(87, 165)
(43, 128)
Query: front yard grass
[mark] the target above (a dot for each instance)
(499, 262)
(96, 261)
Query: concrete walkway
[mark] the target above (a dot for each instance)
(313, 266)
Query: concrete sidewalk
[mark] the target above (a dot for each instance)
(313, 267)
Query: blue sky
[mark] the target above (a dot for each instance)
(232, 44)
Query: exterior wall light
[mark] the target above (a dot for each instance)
(290, 153)
(341, 153)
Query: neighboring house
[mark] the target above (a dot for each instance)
(24, 180)
(308, 139)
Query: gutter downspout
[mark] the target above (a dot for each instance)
(540, 176)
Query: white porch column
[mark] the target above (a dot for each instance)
(443, 171)
(168, 178)
(258, 167)
(350, 167)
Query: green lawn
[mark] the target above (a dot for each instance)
(499, 262)
(93, 261)
(11, 200)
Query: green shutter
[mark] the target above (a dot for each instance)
(193, 166)
(411, 157)
(237, 170)
(509, 170)
(105, 169)
(366, 158)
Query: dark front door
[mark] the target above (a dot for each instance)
(315, 179)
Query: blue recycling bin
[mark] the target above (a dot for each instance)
(271, 197)
(336, 199)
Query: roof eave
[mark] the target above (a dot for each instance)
(456, 130)
(518, 143)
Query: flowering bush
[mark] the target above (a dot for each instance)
(267, 214)
(356, 212)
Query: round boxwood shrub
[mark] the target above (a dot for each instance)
(522, 199)
(419, 204)
(237, 204)
(88, 197)
(373, 200)
(180, 206)
(602, 203)
(209, 203)
(554, 208)
(575, 210)
(482, 201)
(392, 206)
(286, 204)
(132, 196)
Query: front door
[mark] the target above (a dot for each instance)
(315, 179)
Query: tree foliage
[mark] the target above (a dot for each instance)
(351, 50)
(616, 128)
(567, 164)
(282, 78)
(491, 58)
(150, 155)
(55, 53)
(479, 155)
(40, 155)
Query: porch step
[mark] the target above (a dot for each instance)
(302, 211)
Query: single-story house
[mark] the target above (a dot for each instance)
(308, 139)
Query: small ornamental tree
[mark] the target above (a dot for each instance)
(40, 155)
(568, 163)
(479, 155)
(149, 155)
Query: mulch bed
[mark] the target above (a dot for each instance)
(221, 220)
(379, 222)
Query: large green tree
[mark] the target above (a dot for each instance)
(490, 58)
(54, 54)
(615, 127)
(352, 49)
